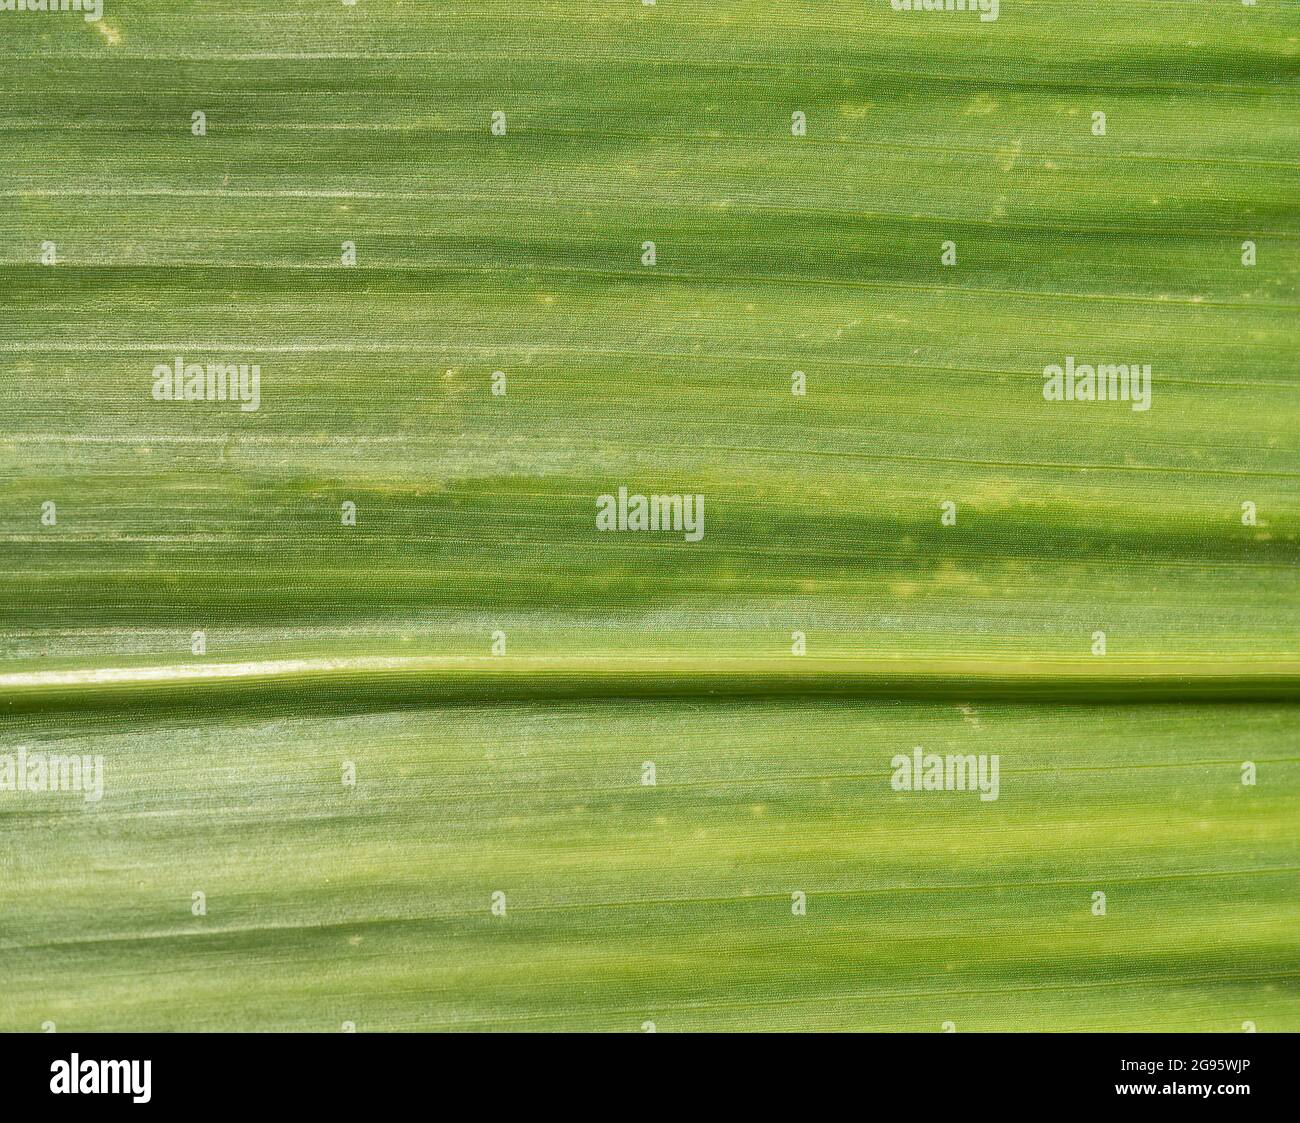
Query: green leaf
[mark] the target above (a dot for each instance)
(183, 592)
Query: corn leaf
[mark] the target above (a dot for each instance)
(395, 736)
